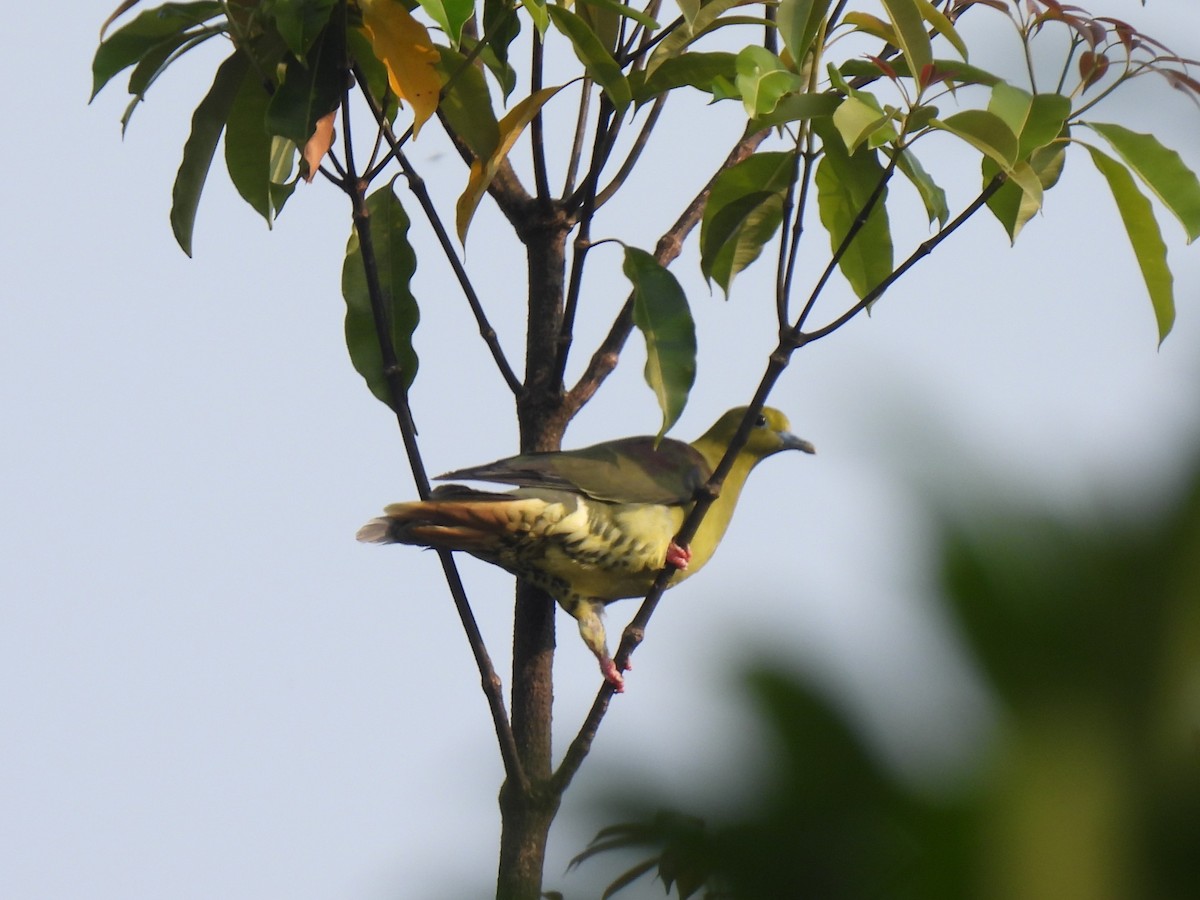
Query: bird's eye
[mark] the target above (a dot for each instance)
(761, 421)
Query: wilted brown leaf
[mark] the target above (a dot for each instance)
(318, 145)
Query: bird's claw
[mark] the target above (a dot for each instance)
(678, 556)
(613, 675)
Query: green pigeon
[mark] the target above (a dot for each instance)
(594, 525)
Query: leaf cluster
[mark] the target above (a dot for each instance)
(840, 127)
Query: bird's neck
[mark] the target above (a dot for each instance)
(717, 519)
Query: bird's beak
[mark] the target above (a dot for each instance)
(791, 442)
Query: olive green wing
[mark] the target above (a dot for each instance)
(630, 470)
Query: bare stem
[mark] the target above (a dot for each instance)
(536, 132)
(635, 152)
(585, 100)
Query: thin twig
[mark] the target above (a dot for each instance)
(417, 185)
(601, 147)
(785, 287)
(605, 358)
(585, 101)
(920, 253)
(635, 152)
(536, 133)
(787, 248)
(856, 226)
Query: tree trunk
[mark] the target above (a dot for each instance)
(526, 817)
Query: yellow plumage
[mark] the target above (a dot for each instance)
(594, 525)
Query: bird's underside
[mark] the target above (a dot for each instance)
(583, 552)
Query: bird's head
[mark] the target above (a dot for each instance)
(771, 433)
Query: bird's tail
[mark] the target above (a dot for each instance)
(460, 519)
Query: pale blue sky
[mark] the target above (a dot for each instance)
(210, 690)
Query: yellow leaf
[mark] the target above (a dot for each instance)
(318, 145)
(484, 170)
(403, 46)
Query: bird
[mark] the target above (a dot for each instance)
(593, 525)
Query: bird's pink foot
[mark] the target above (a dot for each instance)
(612, 674)
(678, 556)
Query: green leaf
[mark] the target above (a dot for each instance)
(986, 132)
(594, 56)
(248, 146)
(874, 26)
(743, 211)
(799, 21)
(130, 43)
(157, 61)
(604, 22)
(698, 70)
(374, 72)
(910, 30)
(396, 262)
(942, 25)
(621, 9)
(1036, 119)
(844, 183)
(858, 117)
(208, 122)
(796, 108)
(661, 313)
(762, 79)
(959, 73)
(283, 163)
(300, 21)
(704, 20)
(932, 196)
(1012, 204)
(500, 21)
(1144, 236)
(484, 170)
(537, 12)
(1160, 169)
(451, 15)
(311, 88)
(467, 105)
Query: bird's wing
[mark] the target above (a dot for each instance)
(631, 470)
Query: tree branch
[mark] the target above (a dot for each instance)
(356, 188)
(417, 185)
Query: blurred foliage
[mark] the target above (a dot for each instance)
(1089, 636)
